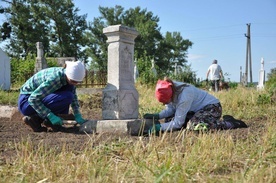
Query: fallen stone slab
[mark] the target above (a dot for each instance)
(7, 111)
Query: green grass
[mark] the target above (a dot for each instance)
(172, 157)
(9, 97)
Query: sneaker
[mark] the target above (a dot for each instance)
(34, 122)
(236, 123)
(201, 127)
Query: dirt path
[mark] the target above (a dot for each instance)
(12, 132)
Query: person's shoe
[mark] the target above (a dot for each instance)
(236, 123)
(50, 127)
(201, 127)
(34, 122)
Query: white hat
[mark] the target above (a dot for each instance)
(75, 70)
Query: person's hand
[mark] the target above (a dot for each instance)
(55, 120)
(155, 129)
(79, 119)
(151, 116)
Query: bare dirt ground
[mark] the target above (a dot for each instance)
(15, 131)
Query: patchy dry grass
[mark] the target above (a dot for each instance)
(242, 155)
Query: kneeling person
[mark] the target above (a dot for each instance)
(182, 99)
(50, 92)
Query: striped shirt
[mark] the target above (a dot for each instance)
(44, 83)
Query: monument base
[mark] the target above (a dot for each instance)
(134, 127)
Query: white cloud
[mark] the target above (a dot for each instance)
(195, 57)
(272, 62)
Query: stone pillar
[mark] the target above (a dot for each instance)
(40, 60)
(120, 97)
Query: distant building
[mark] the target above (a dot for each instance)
(5, 71)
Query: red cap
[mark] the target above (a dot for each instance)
(163, 91)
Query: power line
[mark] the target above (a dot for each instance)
(210, 28)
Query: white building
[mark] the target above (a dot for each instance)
(5, 71)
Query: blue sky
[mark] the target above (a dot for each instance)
(216, 27)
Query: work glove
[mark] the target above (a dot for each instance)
(79, 119)
(55, 120)
(151, 116)
(155, 129)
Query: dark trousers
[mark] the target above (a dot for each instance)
(215, 85)
(58, 102)
(210, 114)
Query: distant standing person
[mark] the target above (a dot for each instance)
(216, 74)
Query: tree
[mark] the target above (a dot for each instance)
(149, 44)
(23, 33)
(172, 51)
(5, 29)
(54, 23)
(67, 28)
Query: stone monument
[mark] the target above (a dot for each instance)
(260, 85)
(153, 70)
(40, 60)
(61, 60)
(120, 97)
(136, 72)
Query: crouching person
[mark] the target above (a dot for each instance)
(190, 108)
(50, 92)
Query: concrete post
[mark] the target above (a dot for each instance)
(40, 60)
(120, 97)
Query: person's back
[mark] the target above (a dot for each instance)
(215, 72)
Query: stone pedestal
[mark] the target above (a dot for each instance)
(40, 60)
(120, 97)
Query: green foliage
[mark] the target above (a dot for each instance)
(54, 23)
(149, 44)
(147, 77)
(233, 85)
(9, 97)
(270, 85)
(52, 62)
(22, 69)
(264, 99)
(146, 73)
(185, 74)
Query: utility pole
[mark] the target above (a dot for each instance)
(248, 61)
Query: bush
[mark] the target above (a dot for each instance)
(22, 69)
(270, 85)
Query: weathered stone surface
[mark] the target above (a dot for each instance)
(140, 127)
(120, 97)
(88, 127)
